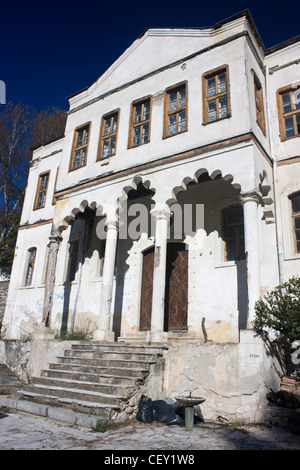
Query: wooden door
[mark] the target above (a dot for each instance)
(147, 288)
(176, 296)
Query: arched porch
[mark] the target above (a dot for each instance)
(216, 225)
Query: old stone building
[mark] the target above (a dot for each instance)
(171, 204)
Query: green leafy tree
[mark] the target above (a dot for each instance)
(278, 316)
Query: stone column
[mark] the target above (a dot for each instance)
(162, 217)
(104, 333)
(54, 243)
(252, 249)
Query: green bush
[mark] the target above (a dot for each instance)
(76, 335)
(279, 312)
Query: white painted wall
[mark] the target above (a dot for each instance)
(246, 164)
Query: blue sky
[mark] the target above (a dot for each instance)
(52, 49)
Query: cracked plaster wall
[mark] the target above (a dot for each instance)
(233, 378)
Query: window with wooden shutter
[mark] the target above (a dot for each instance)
(40, 198)
(31, 255)
(108, 135)
(259, 103)
(288, 101)
(139, 132)
(175, 118)
(80, 147)
(216, 103)
(295, 206)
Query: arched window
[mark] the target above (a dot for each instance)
(295, 209)
(31, 255)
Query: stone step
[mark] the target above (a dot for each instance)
(75, 404)
(97, 387)
(99, 370)
(111, 355)
(114, 363)
(118, 347)
(93, 378)
(90, 376)
(62, 412)
(73, 393)
(9, 381)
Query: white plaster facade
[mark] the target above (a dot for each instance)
(245, 165)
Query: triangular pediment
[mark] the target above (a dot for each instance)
(155, 49)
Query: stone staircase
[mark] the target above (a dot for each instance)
(9, 381)
(94, 378)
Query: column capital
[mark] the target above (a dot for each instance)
(55, 235)
(250, 196)
(161, 211)
(112, 224)
(55, 239)
(112, 229)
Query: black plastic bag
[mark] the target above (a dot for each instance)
(165, 413)
(145, 410)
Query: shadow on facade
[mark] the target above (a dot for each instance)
(79, 250)
(214, 194)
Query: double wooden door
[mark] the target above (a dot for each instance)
(147, 288)
(176, 293)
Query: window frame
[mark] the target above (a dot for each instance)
(259, 103)
(239, 229)
(39, 190)
(281, 115)
(55, 184)
(133, 125)
(175, 88)
(74, 148)
(29, 263)
(103, 137)
(294, 215)
(206, 99)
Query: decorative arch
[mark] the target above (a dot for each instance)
(133, 185)
(183, 186)
(63, 224)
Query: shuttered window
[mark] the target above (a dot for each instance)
(175, 119)
(295, 203)
(288, 101)
(80, 147)
(216, 104)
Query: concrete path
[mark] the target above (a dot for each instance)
(21, 431)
